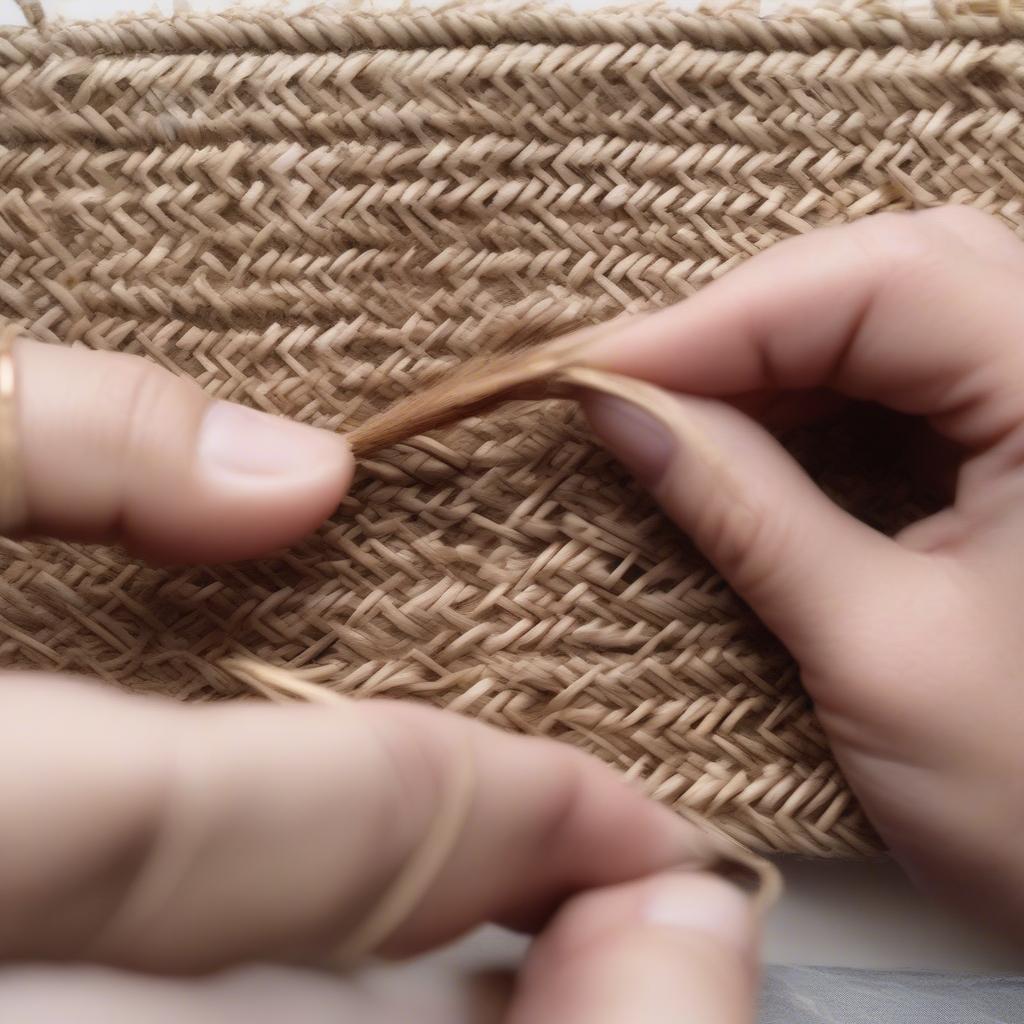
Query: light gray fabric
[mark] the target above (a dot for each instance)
(830, 995)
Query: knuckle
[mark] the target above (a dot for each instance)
(140, 421)
(139, 864)
(911, 254)
(967, 222)
(567, 800)
(412, 766)
(934, 240)
(143, 392)
(896, 242)
(745, 541)
(983, 236)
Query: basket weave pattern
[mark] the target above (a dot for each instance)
(310, 214)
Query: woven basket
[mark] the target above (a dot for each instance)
(312, 213)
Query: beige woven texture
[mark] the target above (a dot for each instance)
(312, 214)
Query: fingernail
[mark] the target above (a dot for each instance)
(238, 441)
(643, 443)
(703, 904)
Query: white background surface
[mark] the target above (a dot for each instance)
(842, 914)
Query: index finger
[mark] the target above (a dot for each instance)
(921, 312)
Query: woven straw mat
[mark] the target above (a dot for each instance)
(312, 213)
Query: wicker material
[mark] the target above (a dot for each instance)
(311, 213)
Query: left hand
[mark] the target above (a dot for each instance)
(154, 836)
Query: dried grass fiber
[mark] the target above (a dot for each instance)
(314, 213)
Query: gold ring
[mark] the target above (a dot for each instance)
(13, 505)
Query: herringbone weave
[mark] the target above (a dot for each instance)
(312, 213)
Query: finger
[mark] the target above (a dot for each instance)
(659, 951)
(921, 312)
(163, 836)
(797, 558)
(116, 448)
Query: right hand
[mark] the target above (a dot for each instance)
(912, 648)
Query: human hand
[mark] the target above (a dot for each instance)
(912, 647)
(168, 838)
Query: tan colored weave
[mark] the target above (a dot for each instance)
(312, 213)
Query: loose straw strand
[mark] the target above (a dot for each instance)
(481, 384)
(418, 875)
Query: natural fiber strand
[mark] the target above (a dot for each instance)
(473, 389)
(421, 870)
(543, 371)
(317, 213)
(557, 369)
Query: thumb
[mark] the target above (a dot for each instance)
(663, 950)
(792, 554)
(114, 448)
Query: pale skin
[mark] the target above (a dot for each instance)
(165, 838)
